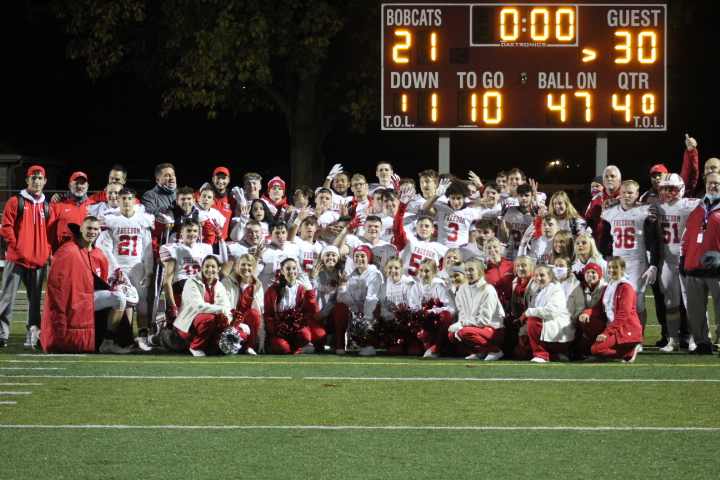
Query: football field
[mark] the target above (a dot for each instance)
(163, 415)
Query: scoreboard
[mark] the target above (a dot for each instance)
(524, 66)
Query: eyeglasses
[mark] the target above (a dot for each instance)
(712, 184)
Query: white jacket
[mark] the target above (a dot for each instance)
(436, 289)
(361, 292)
(193, 302)
(392, 295)
(258, 303)
(582, 299)
(478, 306)
(553, 311)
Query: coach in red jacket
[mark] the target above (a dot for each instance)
(71, 209)
(700, 242)
(28, 251)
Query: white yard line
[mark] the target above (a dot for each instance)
(356, 427)
(385, 379)
(19, 384)
(8, 403)
(32, 368)
(15, 393)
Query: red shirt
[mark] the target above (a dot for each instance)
(501, 277)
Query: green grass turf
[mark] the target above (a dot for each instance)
(305, 454)
(355, 391)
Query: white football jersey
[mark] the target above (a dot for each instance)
(519, 222)
(454, 225)
(188, 260)
(308, 252)
(271, 259)
(628, 230)
(540, 249)
(381, 252)
(671, 223)
(128, 240)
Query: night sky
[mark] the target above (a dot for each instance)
(50, 108)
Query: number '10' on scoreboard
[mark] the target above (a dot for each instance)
(526, 66)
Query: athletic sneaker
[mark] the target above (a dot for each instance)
(309, 348)
(492, 356)
(144, 344)
(539, 360)
(3, 343)
(634, 355)
(430, 354)
(475, 356)
(702, 349)
(197, 353)
(672, 346)
(108, 346)
(368, 351)
(250, 351)
(35, 338)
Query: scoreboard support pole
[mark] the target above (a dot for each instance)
(601, 152)
(444, 152)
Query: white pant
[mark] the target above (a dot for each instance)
(135, 275)
(634, 271)
(109, 299)
(672, 284)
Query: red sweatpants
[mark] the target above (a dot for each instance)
(281, 346)
(590, 330)
(546, 350)
(336, 323)
(433, 341)
(317, 334)
(252, 319)
(479, 340)
(523, 350)
(610, 349)
(410, 346)
(204, 332)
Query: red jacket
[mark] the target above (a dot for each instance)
(626, 327)
(68, 319)
(691, 249)
(64, 212)
(501, 277)
(28, 243)
(305, 300)
(593, 212)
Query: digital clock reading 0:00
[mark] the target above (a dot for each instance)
(501, 66)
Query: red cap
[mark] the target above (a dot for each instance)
(221, 170)
(364, 248)
(35, 168)
(77, 175)
(275, 182)
(658, 169)
(593, 266)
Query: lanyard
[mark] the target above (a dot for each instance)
(709, 207)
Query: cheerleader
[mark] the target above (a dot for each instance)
(325, 277)
(452, 257)
(431, 289)
(549, 326)
(568, 217)
(474, 270)
(479, 328)
(585, 297)
(586, 252)
(458, 277)
(394, 296)
(499, 272)
(204, 300)
(524, 291)
(614, 322)
(359, 290)
(563, 245)
(292, 292)
(245, 293)
(565, 277)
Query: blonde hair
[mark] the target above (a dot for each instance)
(249, 258)
(548, 269)
(570, 211)
(494, 240)
(594, 253)
(529, 259)
(629, 183)
(433, 265)
(396, 259)
(358, 177)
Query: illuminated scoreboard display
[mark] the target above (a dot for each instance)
(538, 66)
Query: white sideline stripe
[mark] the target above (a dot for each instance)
(32, 368)
(354, 427)
(8, 403)
(15, 393)
(19, 384)
(386, 379)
